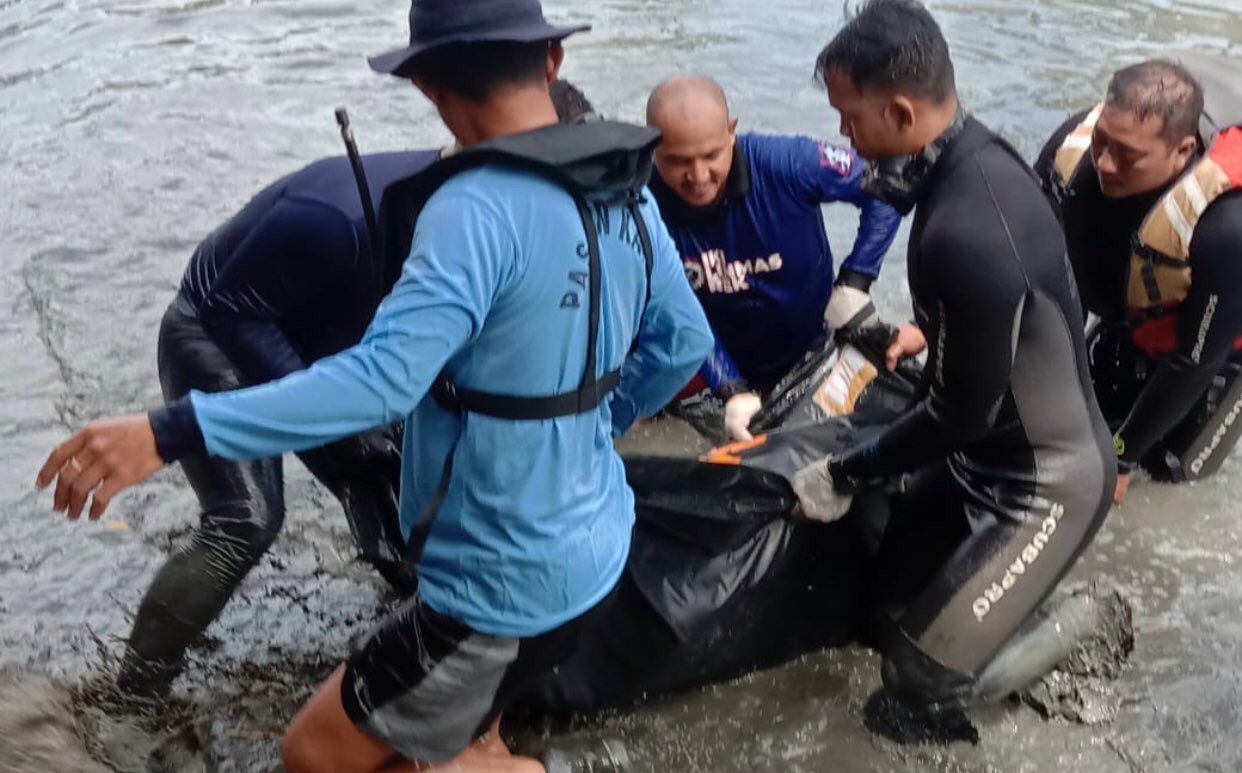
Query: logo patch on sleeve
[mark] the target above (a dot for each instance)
(837, 158)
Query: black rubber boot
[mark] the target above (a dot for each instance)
(187, 594)
(143, 679)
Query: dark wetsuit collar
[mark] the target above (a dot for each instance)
(899, 180)
(675, 208)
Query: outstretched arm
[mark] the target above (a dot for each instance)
(457, 262)
(1209, 322)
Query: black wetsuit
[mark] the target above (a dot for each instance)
(1158, 407)
(288, 280)
(1015, 469)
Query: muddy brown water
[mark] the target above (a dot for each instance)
(129, 129)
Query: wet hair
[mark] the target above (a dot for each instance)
(1159, 87)
(475, 70)
(893, 45)
(570, 103)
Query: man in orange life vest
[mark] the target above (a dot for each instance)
(1148, 185)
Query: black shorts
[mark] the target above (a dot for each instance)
(428, 685)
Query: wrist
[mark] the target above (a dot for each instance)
(731, 389)
(1124, 466)
(851, 278)
(176, 430)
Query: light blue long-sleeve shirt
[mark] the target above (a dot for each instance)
(535, 524)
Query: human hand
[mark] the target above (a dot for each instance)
(739, 410)
(103, 458)
(847, 306)
(820, 495)
(909, 342)
(1123, 485)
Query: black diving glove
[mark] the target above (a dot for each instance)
(848, 476)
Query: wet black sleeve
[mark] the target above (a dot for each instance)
(290, 259)
(176, 430)
(974, 290)
(1209, 322)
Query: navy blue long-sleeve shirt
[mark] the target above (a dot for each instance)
(290, 278)
(760, 262)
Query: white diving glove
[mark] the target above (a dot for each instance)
(847, 306)
(817, 497)
(739, 410)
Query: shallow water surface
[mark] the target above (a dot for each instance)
(130, 128)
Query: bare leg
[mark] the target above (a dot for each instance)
(321, 737)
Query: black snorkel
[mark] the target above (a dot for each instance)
(360, 177)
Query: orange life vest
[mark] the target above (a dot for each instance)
(1160, 271)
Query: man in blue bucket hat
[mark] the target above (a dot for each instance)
(542, 309)
(437, 23)
(288, 279)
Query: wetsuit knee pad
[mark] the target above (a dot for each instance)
(1201, 443)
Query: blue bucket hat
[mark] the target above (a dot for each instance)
(438, 22)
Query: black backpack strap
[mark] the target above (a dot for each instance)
(591, 391)
(644, 239)
(589, 395)
(422, 527)
(585, 398)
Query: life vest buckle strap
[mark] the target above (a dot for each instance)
(1152, 256)
(586, 397)
(1150, 284)
(444, 392)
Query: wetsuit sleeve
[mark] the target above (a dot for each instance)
(1208, 323)
(826, 173)
(287, 261)
(975, 300)
(673, 337)
(461, 257)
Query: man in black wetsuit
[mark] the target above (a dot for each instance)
(288, 280)
(1149, 187)
(1012, 461)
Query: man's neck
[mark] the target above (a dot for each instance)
(505, 112)
(938, 119)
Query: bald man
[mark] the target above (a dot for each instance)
(744, 211)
